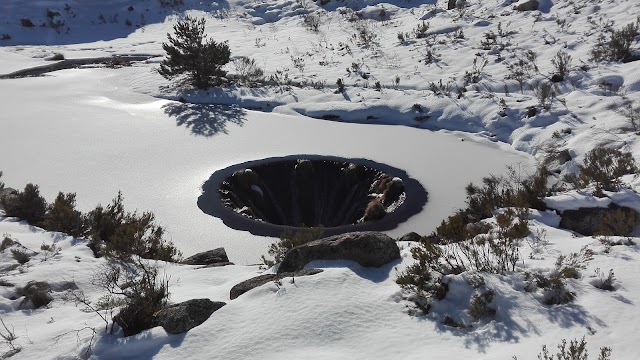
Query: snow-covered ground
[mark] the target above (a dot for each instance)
(95, 131)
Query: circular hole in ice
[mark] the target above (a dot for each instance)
(268, 196)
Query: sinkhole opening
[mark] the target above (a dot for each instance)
(266, 196)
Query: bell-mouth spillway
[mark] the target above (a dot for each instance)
(268, 196)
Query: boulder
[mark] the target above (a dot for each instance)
(184, 316)
(367, 248)
(7, 195)
(412, 236)
(260, 280)
(451, 4)
(36, 295)
(215, 257)
(529, 5)
(374, 211)
(613, 220)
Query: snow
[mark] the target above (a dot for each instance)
(97, 130)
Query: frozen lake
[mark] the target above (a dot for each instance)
(87, 131)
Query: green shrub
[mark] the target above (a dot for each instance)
(479, 307)
(577, 350)
(603, 167)
(514, 190)
(120, 234)
(496, 252)
(554, 284)
(101, 223)
(62, 216)
(27, 205)
(289, 240)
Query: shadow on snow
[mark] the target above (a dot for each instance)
(205, 120)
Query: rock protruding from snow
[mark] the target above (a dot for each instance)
(8, 193)
(215, 257)
(530, 5)
(36, 295)
(412, 236)
(613, 220)
(367, 248)
(184, 316)
(260, 280)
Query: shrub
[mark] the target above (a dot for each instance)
(120, 234)
(566, 267)
(9, 337)
(521, 70)
(62, 216)
(604, 282)
(364, 36)
(49, 251)
(189, 53)
(7, 242)
(311, 22)
(21, 256)
(421, 30)
(545, 94)
(27, 205)
(631, 112)
(515, 190)
(496, 252)
(138, 284)
(340, 85)
(101, 223)
(562, 63)
(476, 73)
(577, 350)
(289, 240)
(479, 307)
(618, 47)
(247, 70)
(603, 167)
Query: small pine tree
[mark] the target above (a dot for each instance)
(191, 54)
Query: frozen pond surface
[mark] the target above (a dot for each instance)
(86, 131)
